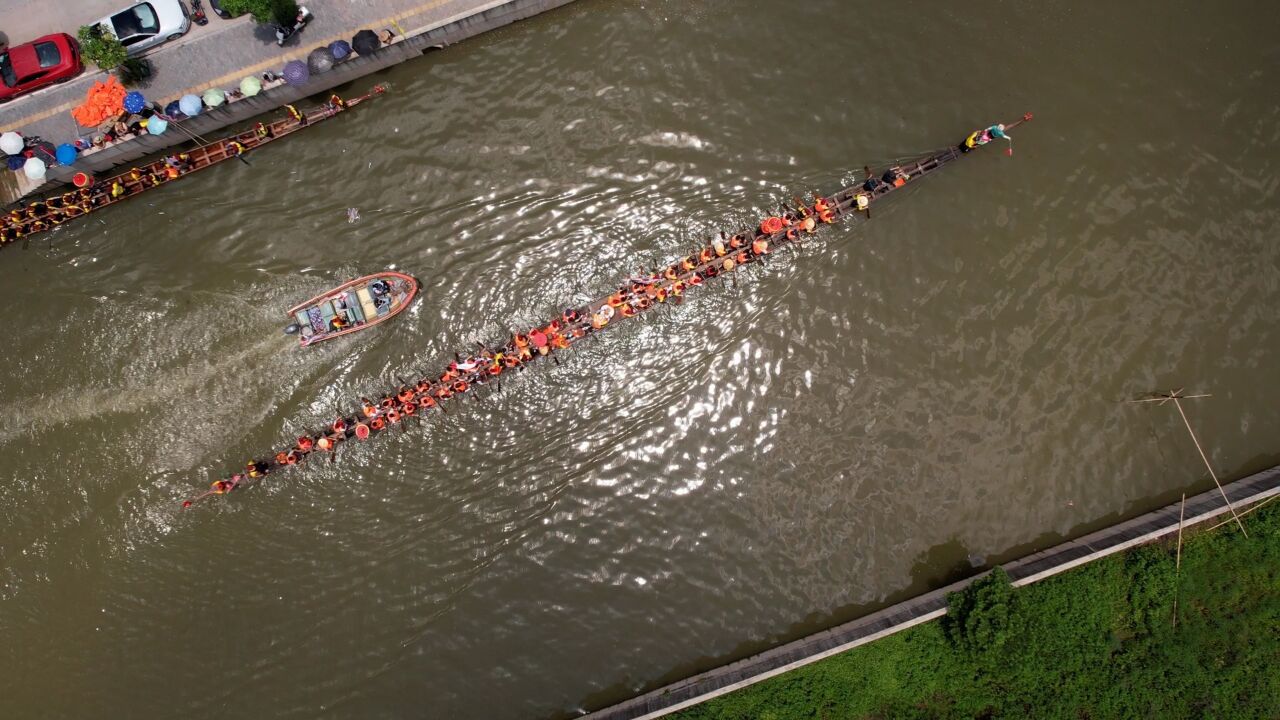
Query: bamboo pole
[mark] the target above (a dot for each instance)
(1176, 396)
(1245, 512)
(1177, 566)
(1205, 458)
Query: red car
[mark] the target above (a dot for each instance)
(43, 61)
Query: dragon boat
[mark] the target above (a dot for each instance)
(636, 295)
(351, 307)
(49, 212)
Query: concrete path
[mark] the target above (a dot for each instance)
(216, 55)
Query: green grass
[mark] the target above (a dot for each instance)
(1095, 642)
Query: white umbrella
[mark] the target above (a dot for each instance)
(11, 143)
(34, 168)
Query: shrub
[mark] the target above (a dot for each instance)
(101, 48)
(133, 71)
(264, 11)
(981, 618)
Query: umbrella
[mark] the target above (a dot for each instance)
(157, 125)
(66, 154)
(11, 143)
(134, 102)
(213, 97)
(320, 60)
(340, 49)
(15, 162)
(365, 42)
(45, 150)
(173, 109)
(251, 86)
(190, 105)
(295, 72)
(34, 168)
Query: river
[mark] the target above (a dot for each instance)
(841, 428)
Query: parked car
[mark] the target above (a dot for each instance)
(221, 12)
(43, 61)
(147, 24)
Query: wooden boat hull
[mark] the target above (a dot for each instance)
(354, 306)
(45, 214)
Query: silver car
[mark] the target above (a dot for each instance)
(147, 24)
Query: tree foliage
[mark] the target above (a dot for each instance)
(281, 12)
(101, 48)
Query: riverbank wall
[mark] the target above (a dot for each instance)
(480, 17)
(1199, 511)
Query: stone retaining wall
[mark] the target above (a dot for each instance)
(896, 618)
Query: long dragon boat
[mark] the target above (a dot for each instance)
(636, 295)
(48, 213)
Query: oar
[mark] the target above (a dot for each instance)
(202, 140)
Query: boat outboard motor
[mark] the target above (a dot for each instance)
(292, 329)
(284, 32)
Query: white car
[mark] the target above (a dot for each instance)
(147, 24)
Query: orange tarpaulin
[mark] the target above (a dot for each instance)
(105, 101)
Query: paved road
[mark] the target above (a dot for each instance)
(217, 55)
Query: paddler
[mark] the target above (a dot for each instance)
(539, 340)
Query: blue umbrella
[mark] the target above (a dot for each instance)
(66, 154)
(157, 125)
(173, 109)
(340, 49)
(134, 102)
(15, 162)
(295, 72)
(191, 105)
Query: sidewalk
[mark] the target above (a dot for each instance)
(216, 55)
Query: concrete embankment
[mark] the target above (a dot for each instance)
(475, 18)
(1200, 510)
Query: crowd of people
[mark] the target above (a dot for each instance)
(484, 366)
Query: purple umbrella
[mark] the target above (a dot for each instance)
(134, 102)
(295, 72)
(340, 49)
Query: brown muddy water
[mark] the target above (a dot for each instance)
(842, 428)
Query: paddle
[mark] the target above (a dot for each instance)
(200, 139)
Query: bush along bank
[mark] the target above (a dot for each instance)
(1098, 641)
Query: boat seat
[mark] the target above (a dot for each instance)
(326, 311)
(353, 308)
(366, 303)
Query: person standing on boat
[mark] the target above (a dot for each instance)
(979, 138)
